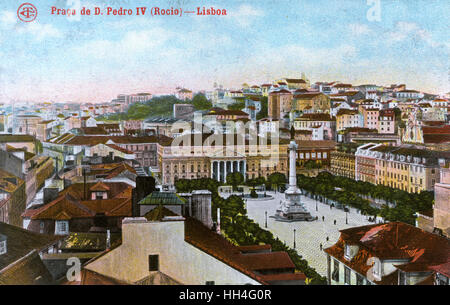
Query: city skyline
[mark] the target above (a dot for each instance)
(60, 58)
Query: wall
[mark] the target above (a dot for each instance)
(178, 259)
(442, 204)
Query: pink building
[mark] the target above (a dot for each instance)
(371, 117)
(386, 122)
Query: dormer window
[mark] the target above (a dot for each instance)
(350, 251)
(376, 269)
(99, 195)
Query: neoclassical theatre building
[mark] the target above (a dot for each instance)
(215, 156)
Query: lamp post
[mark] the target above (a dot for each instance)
(316, 206)
(346, 218)
(294, 238)
(265, 224)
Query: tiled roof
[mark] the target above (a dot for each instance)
(89, 277)
(280, 91)
(8, 182)
(16, 138)
(295, 80)
(344, 111)
(110, 170)
(93, 131)
(69, 139)
(436, 138)
(282, 277)
(158, 213)
(29, 270)
(164, 198)
(442, 268)
(215, 245)
(71, 204)
(309, 95)
(395, 240)
(99, 186)
(21, 242)
(315, 117)
(121, 149)
(321, 144)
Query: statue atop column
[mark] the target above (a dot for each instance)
(291, 208)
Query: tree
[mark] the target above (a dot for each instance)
(237, 105)
(264, 112)
(235, 179)
(276, 179)
(234, 207)
(200, 102)
(311, 164)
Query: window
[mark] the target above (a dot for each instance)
(61, 227)
(153, 262)
(377, 268)
(3, 248)
(335, 275)
(359, 279)
(441, 279)
(210, 283)
(347, 275)
(348, 252)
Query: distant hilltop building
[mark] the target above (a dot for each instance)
(132, 98)
(183, 111)
(184, 94)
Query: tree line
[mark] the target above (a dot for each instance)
(241, 230)
(160, 106)
(376, 200)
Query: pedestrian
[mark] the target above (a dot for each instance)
(327, 238)
(323, 218)
(335, 221)
(320, 247)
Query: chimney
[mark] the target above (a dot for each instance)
(84, 180)
(50, 194)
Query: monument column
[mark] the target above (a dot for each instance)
(292, 165)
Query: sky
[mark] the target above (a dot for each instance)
(94, 58)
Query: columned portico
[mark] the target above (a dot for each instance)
(221, 168)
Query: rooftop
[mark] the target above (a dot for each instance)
(395, 240)
(21, 242)
(162, 198)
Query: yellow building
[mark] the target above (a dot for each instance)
(347, 118)
(342, 161)
(212, 157)
(409, 169)
(311, 101)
